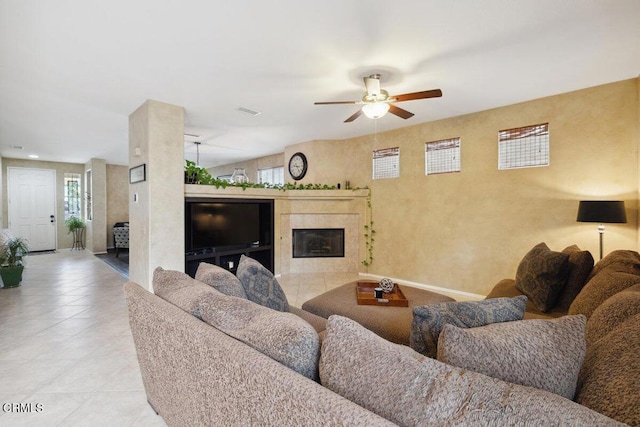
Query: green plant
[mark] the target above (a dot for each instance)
(73, 223)
(12, 252)
(194, 174)
(369, 234)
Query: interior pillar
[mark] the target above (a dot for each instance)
(96, 206)
(156, 200)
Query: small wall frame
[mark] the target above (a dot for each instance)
(138, 174)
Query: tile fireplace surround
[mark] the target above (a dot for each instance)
(307, 209)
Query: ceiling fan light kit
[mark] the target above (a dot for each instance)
(375, 110)
(376, 102)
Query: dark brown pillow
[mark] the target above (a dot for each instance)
(542, 275)
(615, 272)
(580, 265)
(612, 313)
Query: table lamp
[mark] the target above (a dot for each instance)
(602, 211)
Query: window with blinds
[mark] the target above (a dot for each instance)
(386, 163)
(442, 156)
(523, 147)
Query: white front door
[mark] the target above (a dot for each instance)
(32, 206)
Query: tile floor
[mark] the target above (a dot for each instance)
(66, 347)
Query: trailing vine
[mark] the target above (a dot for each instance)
(199, 175)
(369, 234)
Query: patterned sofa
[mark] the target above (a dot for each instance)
(228, 350)
(608, 294)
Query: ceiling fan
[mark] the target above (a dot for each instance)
(376, 102)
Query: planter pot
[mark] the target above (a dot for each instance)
(190, 178)
(11, 276)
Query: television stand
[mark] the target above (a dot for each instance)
(228, 257)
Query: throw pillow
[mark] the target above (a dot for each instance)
(260, 285)
(613, 312)
(428, 320)
(180, 289)
(546, 354)
(284, 337)
(617, 271)
(220, 279)
(406, 388)
(542, 275)
(580, 265)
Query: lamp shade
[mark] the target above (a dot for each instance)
(603, 211)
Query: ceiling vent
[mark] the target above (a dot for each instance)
(248, 111)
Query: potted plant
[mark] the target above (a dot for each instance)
(194, 174)
(75, 225)
(11, 263)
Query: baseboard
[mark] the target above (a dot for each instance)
(461, 294)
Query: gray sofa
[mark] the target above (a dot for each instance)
(197, 375)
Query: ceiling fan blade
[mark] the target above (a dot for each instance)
(354, 116)
(400, 112)
(335, 102)
(435, 93)
(373, 85)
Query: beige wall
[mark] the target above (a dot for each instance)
(64, 239)
(637, 144)
(117, 198)
(96, 231)
(250, 166)
(467, 230)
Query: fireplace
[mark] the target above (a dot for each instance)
(318, 242)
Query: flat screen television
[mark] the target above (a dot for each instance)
(219, 224)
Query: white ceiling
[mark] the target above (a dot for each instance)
(71, 72)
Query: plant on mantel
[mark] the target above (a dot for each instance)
(195, 174)
(198, 175)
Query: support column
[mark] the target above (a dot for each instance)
(96, 190)
(156, 204)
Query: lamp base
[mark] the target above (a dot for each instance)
(601, 231)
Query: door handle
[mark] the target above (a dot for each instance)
(53, 218)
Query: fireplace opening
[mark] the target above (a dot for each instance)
(318, 242)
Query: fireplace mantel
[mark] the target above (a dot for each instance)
(307, 209)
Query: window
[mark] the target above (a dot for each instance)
(386, 163)
(72, 194)
(442, 156)
(523, 147)
(273, 176)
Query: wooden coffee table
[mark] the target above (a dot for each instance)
(391, 323)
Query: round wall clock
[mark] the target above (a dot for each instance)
(298, 166)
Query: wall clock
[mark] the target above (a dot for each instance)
(298, 166)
